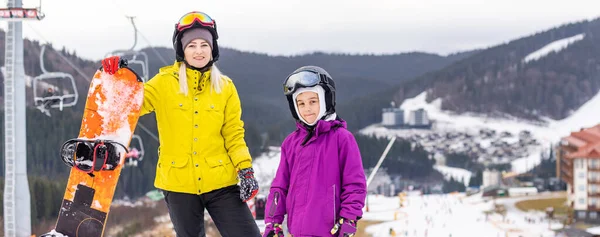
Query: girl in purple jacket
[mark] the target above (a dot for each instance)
(320, 183)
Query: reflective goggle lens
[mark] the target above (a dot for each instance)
(302, 79)
(188, 20)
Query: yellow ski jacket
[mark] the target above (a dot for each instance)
(201, 135)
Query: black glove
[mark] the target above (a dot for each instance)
(248, 184)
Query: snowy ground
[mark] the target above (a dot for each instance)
(547, 133)
(457, 174)
(435, 215)
(454, 215)
(555, 46)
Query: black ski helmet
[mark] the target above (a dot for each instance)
(309, 76)
(195, 19)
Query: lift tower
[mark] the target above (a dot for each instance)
(17, 209)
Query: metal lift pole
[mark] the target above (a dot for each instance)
(17, 209)
(387, 149)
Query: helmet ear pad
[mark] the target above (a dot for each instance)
(292, 107)
(329, 99)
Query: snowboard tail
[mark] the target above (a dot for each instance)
(97, 155)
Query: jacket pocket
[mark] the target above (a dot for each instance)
(178, 111)
(174, 171)
(178, 103)
(220, 170)
(214, 113)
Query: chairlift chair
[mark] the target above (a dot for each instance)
(65, 99)
(130, 161)
(134, 57)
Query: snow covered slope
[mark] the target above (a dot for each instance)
(495, 140)
(555, 46)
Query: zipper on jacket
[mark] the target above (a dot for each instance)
(274, 205)
(308, 136)
(334, 214)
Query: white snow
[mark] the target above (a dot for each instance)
(594, 230)
(96, 204)
(53, 233)
(127, 203)
(454, 215)
(524, 164)
(547, 133)
(457, 174)
(555, 46)
(265, 167)
(448, 214)
(443, 215)
(117, 96)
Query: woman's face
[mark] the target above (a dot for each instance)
(198, 53)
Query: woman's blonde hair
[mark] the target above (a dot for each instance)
(216, 80)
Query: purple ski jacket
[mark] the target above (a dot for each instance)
(318, 180)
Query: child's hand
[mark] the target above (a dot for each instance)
(273, 230)
(344, 228)
(248, 184)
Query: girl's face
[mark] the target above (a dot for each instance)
(198, 53)
(308, 106)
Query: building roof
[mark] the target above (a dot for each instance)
(586, 141)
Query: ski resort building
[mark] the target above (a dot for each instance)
(578, 165)
(418, 118)
(398, 118)
(392, 117)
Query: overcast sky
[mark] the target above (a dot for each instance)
(95, 27)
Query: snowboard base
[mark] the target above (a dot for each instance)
(97, 155)
(89, 222)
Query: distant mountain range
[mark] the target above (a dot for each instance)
(259, 77)
(547, 74)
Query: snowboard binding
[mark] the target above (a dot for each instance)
(92, 155)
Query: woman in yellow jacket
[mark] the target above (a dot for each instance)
(202, 150)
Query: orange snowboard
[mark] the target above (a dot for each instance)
(111, 113)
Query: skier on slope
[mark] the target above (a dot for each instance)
(202, 153)
(320, 182)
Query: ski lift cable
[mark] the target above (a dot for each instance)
(59, 54)
(135, 31)
(87, 78)
(118, 6)
(153, 49)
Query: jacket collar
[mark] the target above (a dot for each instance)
(191, 73)
(193, 76)
(321, 127)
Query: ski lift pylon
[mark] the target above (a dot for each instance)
(134, 57)
(41, 82)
